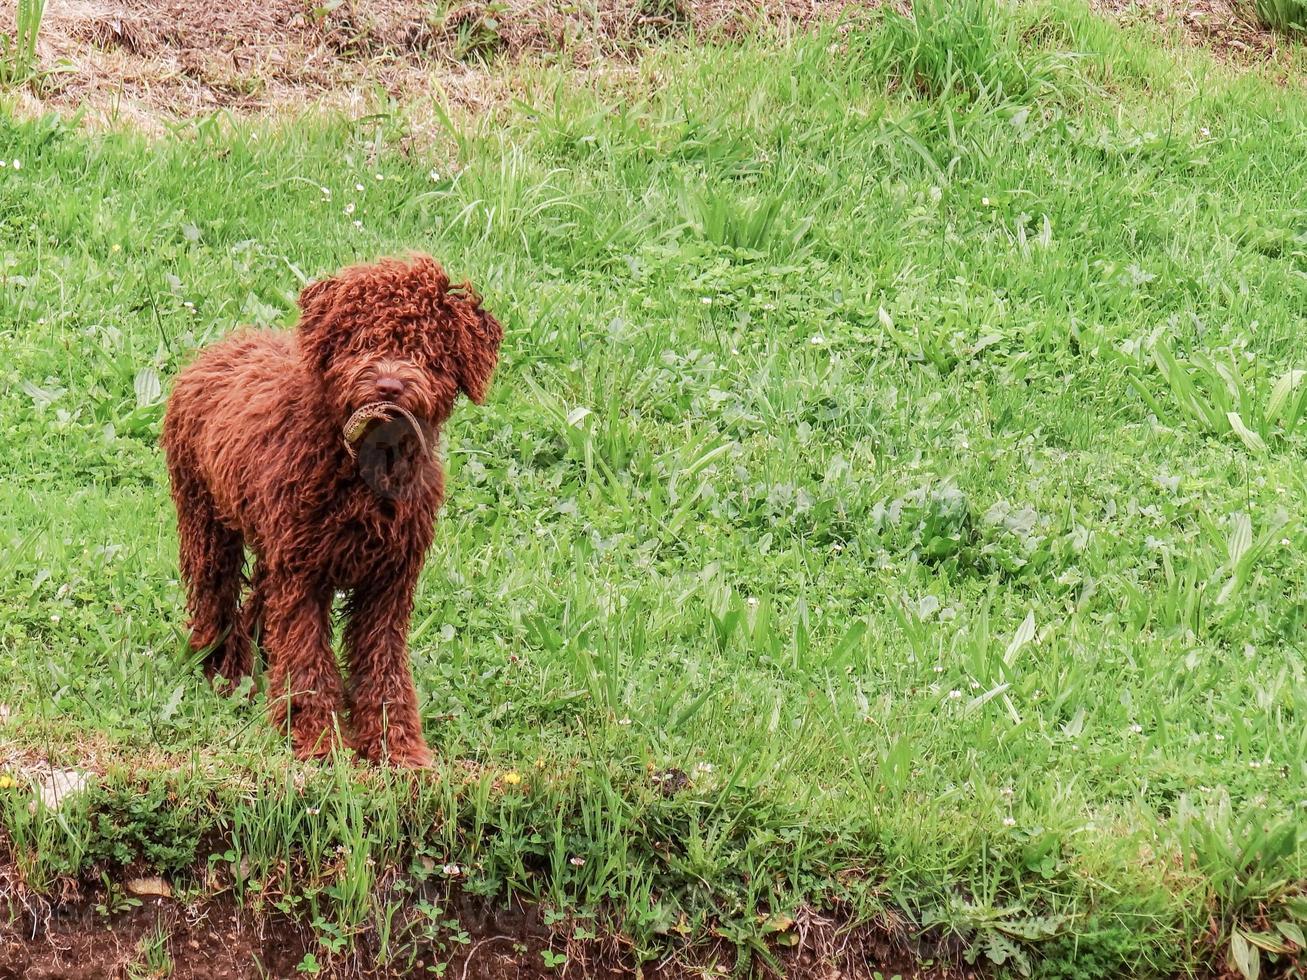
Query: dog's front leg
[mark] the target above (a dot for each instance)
(383, 701)
(304, 689)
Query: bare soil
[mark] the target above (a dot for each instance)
(78, 943)
(148, 60)
(213, 940)
(1227, 27)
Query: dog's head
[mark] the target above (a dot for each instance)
(397, 331)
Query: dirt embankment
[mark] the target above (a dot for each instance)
(138, 59)
(1227, 27)
(101, 937)
(148, 61)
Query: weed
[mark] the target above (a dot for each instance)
(1220, 393)
(115, 899)
(1288, 16)
(1251, 868)
(153, 960)
(154, 823)
(473, 30)
(18, 64)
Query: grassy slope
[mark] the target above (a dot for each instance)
(722, 513)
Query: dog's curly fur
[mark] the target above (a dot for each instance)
(257, 459)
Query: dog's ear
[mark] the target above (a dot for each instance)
(315, 298)
(475, 333)
(478, 351)
(316, 302)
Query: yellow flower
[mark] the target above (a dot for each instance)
(7, 782)
(512, 778)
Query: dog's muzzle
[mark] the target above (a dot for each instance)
(358, 424)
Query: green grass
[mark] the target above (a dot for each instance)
(18, 50)
(862, 448)
(1289, 16)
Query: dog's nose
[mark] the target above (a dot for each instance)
(390, 388)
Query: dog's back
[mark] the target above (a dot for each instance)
(229, 413)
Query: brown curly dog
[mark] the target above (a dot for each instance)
(313, 447)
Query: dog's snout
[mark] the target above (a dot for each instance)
(390, 388)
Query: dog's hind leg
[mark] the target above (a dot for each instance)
(211, 559)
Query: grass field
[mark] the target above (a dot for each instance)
(889, 511)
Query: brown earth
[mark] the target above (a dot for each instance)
(1227, 27)
(213, 940)
(147, 62)
(143, 60)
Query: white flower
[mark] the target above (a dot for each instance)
(954, 695)
(1204, 132)
(701, 768)
(1219, 737)
(358, 187)
(577, 862)
(1009, 822)
(938, 668)
(624, 722)
(816, 340)
(358, 224)
(975, 684)
(18, 164)
(380, 177)
(434, 174)
(452, 870)
(326, 191)
(1137, 729)
(985, 201)
(349, 208)
(706, 300)
(1254, 764)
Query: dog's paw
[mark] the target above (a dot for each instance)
(417, 758)
(412, 755)
(317, 743)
